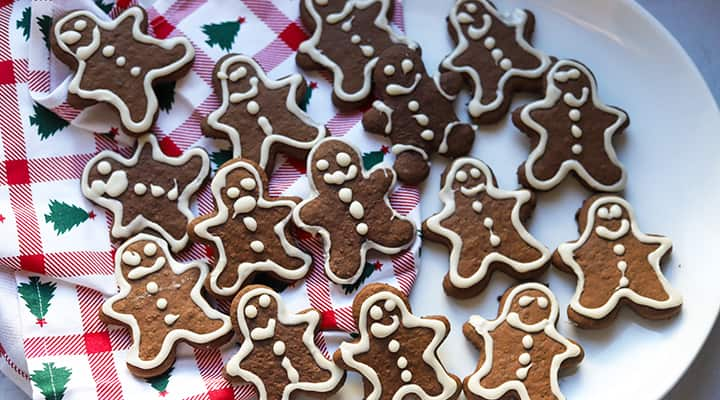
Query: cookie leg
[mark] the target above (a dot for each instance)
(460, 140)
(411, 167)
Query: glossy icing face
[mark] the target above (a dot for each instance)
(335, 163)
(241, 77)
(530, 308)
(612, 221)
(260, 314)
(474, 19)
(78, 31)
(384, 318)
(469, 178)
(570, 79)
(113, 182)
(142, 258)
(399, 70)
(241, 191)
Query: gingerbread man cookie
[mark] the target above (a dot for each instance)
(347, 38)
(350, 210)
(117, 62)
(161, 302)
(147, 191)
(416, 113)
(397, 352)
(278, 354)
(615, 263)
(249, 231)
(571, 131)
(494, 53)
(521, 350)
(483, 227)
(260, 116)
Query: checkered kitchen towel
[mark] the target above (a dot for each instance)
(55, 255)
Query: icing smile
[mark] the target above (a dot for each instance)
(382, 331)
(609, 234)
(394, 89)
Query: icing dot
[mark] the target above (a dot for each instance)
(257, 246)
(475, 173)
(150, 249)
(619, 249)
(345, 195)
(248, 183)
(264, 301)
(140, 189)
(576, 131)
(131, 258)
(80, 25)
(427, 134)
(470, 7)
(477, 206)
(402, 362)
(524, 359)
(253, 107)
(506, 64)
(376, 313)
(152, 287)
(577, 149)
(389, 70)
(497, 54)
(461, 176)
(233, 192)
(251, 311)
(615, 211)
(120, 61)
(104, 167)
(394, 346)
(171, 318)
(622, 266)
(250, 223)
(322, 165)
(489, 42)
(355, 39)
(161, 303)
(108, 51)
(135, 71)
(527, 342)
(413, 105)
(603, 213)
(407, 65)
(361, 228)
(488, 222)
(406, 376)
(542, 302)
(279, 348)
(389, 305)
(574, 114)
(624, 282)
(343, 159)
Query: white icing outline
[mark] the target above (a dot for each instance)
(408, 320)
(140, 222)
(566, 250)
(447, 197)
(293, 81)
(517, 19)
(483, 328)
(553, 95)
(309, 47)
(245, 269)
(367, 244)
(311, 318)
(107, 96)
(176, 335)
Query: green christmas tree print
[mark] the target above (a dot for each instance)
(165, 93)
(222, 34)
(308, 94)
(373, 158)
(104, 6)
(368, 270)
(45, 22)
(65, 216)
(24, 23)
(160, 383)
(51, 380)
(220, 157)
(37, 296)
(48, 122)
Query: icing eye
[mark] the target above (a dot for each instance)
(248, 183)
(264, 301)
(343, 159)
(461, 176)
(104, 168)
(131, 258)
(603, 213)
(321, 2)
(251, 311)
(471, 8)
(615, 211)
(475, 173)
(389, 70)
(407, 65)
(542, 302)
(150, 249)
(389, 305)
(322, 165)
(525, 301)
(465, 18)
(376, 313)
(233, 192)
(80, 25)
(238, 74)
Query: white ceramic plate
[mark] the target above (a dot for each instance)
(672, 153)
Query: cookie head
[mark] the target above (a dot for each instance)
(106, 178)
(612, 220)
(468, 178)
(241, 76)
(79, 34)
(383, 317)
(531, 309)
(570, 79)
(399, 70)
(260, 313)
(473, 18)
(334, 163)
(140, 258)
(241, 191)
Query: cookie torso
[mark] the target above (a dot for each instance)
(614, 261)
(571, 130)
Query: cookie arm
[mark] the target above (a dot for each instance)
(378, 119)
(381, 180)
(451, 82)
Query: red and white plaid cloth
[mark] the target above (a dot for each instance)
(67, 348)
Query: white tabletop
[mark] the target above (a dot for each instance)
(695, 25)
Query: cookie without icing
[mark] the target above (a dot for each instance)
(148, 191)
(117, 62)
(416, 112)
(161, 302)
(493, 52)
(278, 354)
(350, 210)
(615, 263)
(521, 351)
(251, 232)
(260, 116)
(483, 226)
(347, 38)
(571, 130)
(397, 352)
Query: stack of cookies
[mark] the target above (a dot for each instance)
(254, 235)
